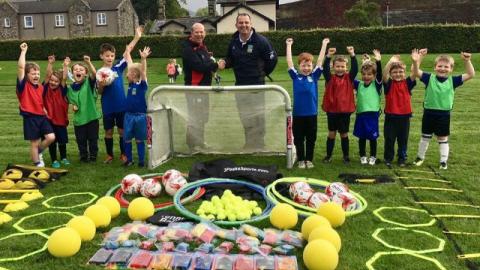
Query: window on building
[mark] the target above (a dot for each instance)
(101, 19)
(7, 23)
(79, 19)
(59, 20)
(28, 22)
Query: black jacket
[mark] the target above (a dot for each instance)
(197, 64)
(251, 61)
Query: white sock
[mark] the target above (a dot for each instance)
(444, 149)
(423, 145)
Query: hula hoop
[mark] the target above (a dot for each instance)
(185, 212)
(273, 194)
(94, 197)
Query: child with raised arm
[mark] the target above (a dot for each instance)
(135, 115)
(83, 97)
(368, 92)
(305, 102)
(32, 108)
(56, 104)
(339, 100)
(113, 96)
(438, 101)
(398, 110)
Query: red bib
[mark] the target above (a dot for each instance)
(31, 99)
(398, 99)
(338, 96)
(57, 106)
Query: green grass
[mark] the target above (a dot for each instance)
(358, 245)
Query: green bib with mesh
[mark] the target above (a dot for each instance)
(439, 95)
(368, 99)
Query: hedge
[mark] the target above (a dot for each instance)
(437, 38)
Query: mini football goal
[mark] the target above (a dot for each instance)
(188, 120)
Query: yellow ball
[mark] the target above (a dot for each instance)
(99, 214)
(333, 212)
(112, 204)
(64, 242)
(326, 233)
(283, 216)
(84, 226)
(320, 255)
(312, 222)
(140, 209)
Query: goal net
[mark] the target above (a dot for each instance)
(187, 120)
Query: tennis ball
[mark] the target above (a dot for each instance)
(99, 214)
(112, 204)
(231, 217)
(221, 216)
(211, 217)
(283, 216)
(64, 242)
(326, 233)
(333, 212)
(140, 208)
(257, 211)
(84, 226)
(320, 255)
(312, 222)
(200, 212)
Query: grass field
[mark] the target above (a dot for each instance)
(358, 244)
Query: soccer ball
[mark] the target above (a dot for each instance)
(346, 200)
(171, 174)
(131, 184)
(317, 199)
(172, 185)
(106, 75)
(335, 188)
(150, 188)
(300, 192)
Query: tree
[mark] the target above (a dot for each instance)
(174, 10)
(363, 13)
(202, 12)
(147, 10)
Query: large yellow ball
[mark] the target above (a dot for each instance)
(84, 226)
(112, 204)
(326, 233)
(320, 255)
(333, 212)
(64, 242)
(140, 209)
(313, 222)
(99, 214)
(283, 216)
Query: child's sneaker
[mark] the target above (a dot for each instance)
(40, 157)
(56, 164)
(346, 160)
(108, 159)
(40, 164)
(327, 159)
(128, 163)
(418, 162)
(443, 165)
(402, 163)
(388, 164)
(141, 165)
(301, 164)
(309, 164)
(123, 158)
(65, 162)
(363, 160)
(372, 161)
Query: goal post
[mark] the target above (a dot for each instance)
(188, 120)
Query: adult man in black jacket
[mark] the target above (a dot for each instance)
(252, 58)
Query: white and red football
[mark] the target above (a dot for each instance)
(172, 185)
(335, 188)
(171, 174)
(317, 199)
(131, 184)
(346, 200)
(300, 192)
(151, 188)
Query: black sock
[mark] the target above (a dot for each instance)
(362, 145)
(122, 145)
(52, 148)
(373, 148)
(63, 151)
(109, 146)
(330, 146)
(345, 147)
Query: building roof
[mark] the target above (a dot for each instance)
(186, 22)
(104, 5)
(62, 6)
(234, 2)
(270, 21)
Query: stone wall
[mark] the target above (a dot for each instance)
(6, 11)
(79, 30)
(127, 19)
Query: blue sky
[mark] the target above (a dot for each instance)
(193, 5)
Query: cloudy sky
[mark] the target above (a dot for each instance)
(193, 5)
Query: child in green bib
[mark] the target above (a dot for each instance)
(438, 101)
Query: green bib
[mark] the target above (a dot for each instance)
(368, 99)
(85, 99)
(438, 95)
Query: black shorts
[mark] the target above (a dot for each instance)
(61, 135)
(113, 119)
(35, 127)
(339, 122)
(438, 124)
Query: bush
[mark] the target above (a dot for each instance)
(437, 38)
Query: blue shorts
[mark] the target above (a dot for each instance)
(135, 126)
(35, 127)
(113, 119)
(366, 125)
(61, 135)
